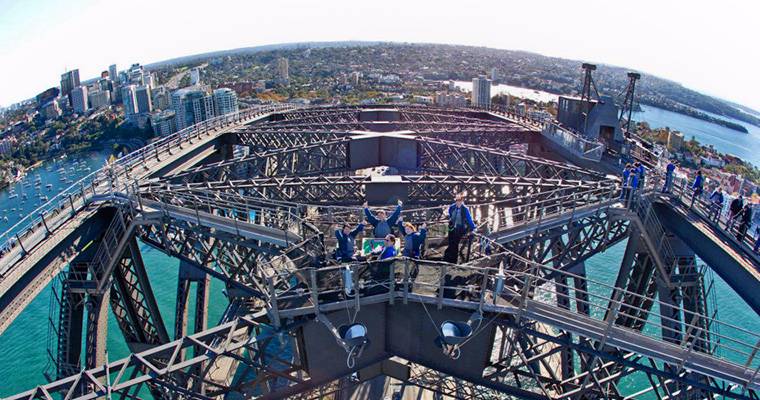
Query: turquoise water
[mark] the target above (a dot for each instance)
(24, 351)
(742, 145)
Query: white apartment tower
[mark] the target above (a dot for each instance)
(79, 99)
(481, 91)
(225, 101)
(282, 68)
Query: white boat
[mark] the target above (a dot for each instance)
(13, 196)
(49, 186)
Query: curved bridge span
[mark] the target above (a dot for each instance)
(254, 199)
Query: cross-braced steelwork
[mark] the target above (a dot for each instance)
(507, 306)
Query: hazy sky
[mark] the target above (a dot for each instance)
(708, 46)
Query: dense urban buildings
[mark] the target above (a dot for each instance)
(450, 100)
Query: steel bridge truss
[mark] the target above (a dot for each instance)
(259, 223)
(433, 156)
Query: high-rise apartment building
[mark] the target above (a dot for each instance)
(481, 91)
(137, 104)
(282, 69)
(144, 101)
(225, 101)
(113, 73)
(195, 76)
(136, 75)
(79, 99)
(128, 97)
(161, 98)
(191, 105)
(69, 80)
(99, 98)
(164, 122)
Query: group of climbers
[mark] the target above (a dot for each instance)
(633, 179)
(460, 224)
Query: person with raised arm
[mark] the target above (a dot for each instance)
(413, 240)
(381, 223)
(346, 239)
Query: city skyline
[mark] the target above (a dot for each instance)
(670, 45)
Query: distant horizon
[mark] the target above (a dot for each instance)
(40, 39)
(356, 42)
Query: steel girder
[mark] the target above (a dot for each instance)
(245, 265)
(513, 368)
(614, 365)
(134, 304)
(166, 367)
(346, 116)
(425, 190)
(434, 156)
(391, 126)
(262, 140)
(578, 240)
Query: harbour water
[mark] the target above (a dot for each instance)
(742, 145)
(24, 351)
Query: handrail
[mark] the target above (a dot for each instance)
(703, 207)
(573, 141)
(737, 344)
(26, 233)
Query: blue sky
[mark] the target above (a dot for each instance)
(707, 46)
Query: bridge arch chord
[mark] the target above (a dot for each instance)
(263, 140)
(317, 158)
(433, 156)
(460, 158)
(426, 190)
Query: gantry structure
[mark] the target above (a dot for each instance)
(253, 199)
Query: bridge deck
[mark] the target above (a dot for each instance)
(723, 253)
(43, 263)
